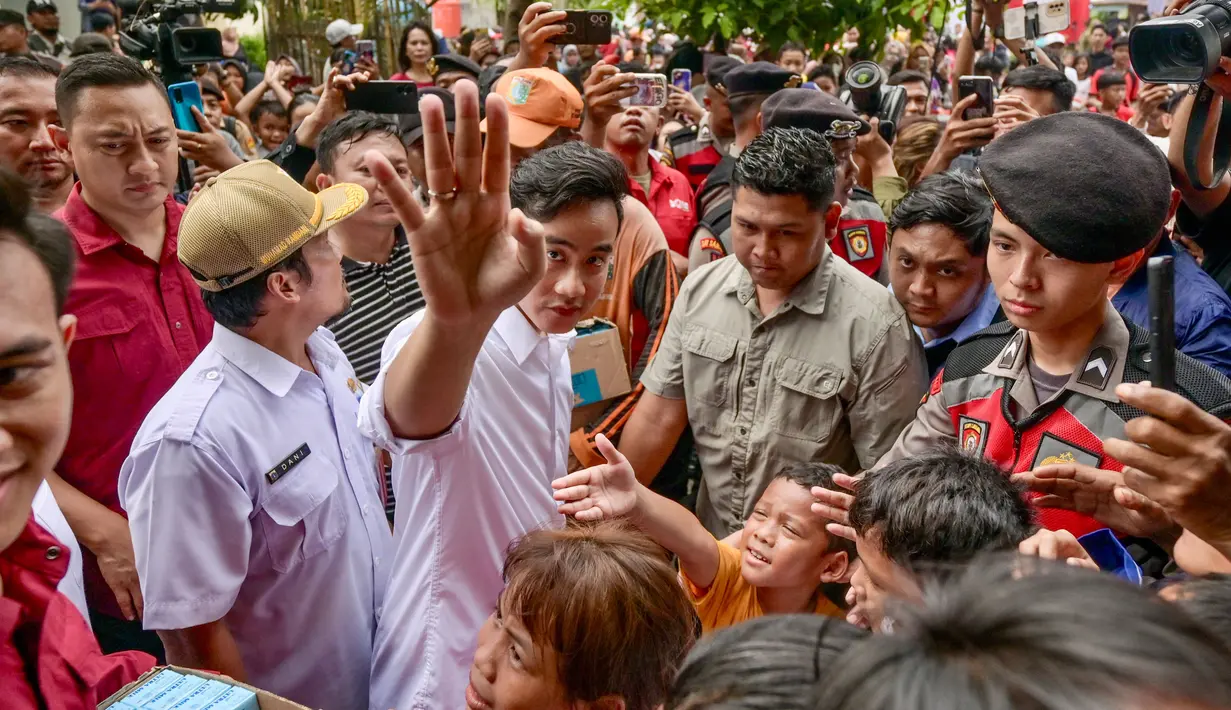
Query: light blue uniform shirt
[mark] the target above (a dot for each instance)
(252, 497)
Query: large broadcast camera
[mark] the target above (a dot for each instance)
(867, 93)
(1186, 49)
(150, 34)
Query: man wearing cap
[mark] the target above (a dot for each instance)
(44, 17)
(697, 150)
(1039, 389)
(341, 34)
(783, 354)
(448, 69)
(27, 115)
(544, 110)
(747, 87)
(14, 39)
(252, 497)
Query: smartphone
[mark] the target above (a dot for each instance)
(651, 91)
(585, 27)
(1054, 16)
(1047, 16)
(1160, 271)
(384, 97)
(366, 49)
(184, 96)
(682, 78)
(348, 62)
(984, 88)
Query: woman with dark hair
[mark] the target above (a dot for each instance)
(592, 615)
(769, 662)
(417, 47)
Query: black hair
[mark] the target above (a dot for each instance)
(990, 65)
(768, 663)
(1044, 79)
(48, 238)
(744, 107)
(552, 180)
(1098, 26)
(101, 20)
(792, 47)
(239, 307)
(1109, 79)
(1208, 600)
(300, 100)
(788, 161)
(940, 507)
(25, 68)
(403, 57)
(344, 132)
(89, 43)
(101, 70)
(819, 475)
(907, 76)
(272, 108)
(954, 200)
(1032, 634)
(824, 70)
(1121, 40)
(12, 17)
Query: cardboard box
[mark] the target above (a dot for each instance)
(597, 360)
(265, 700)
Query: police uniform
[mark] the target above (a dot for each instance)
(252, 496)
(985, 398)
(712, 238)
(695, 150)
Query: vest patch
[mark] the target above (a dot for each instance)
(972, 435)
(1053, 450)
(858, 243)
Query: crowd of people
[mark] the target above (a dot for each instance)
(890, 440)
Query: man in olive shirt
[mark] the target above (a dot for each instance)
(783, 354)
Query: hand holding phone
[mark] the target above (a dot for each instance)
(585, 27)
(399, 97)
(982, 87)
(184, 96)
(682, 78)
(651, 91)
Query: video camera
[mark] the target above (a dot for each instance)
(867, 93)
(149, 34)
(1183, 48)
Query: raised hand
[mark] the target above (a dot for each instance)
(331, 106)
(605, 491)
(836, 506)
(1099, 493)
(207, 147)
(1059, 545)
(473, 256)
(539, 24)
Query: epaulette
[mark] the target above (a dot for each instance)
(978, 351)
(686, 133)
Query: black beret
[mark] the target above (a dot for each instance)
(760, 78)
(716, 75)
(809, 108)
(1088, 187)
(411, 124)
(452, 62)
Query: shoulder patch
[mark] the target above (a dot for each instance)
(972, 435)
(183, 422)
(978, 351)
(1053, 450)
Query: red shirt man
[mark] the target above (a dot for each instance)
(664, 190)
(141, 320)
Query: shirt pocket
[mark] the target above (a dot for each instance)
(304, 514)
(709, 374)
(118, 348)
(805, 403)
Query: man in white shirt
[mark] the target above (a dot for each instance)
(474, 395)
(254, 502)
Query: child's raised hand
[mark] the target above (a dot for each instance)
(835, 506)
(605, 491)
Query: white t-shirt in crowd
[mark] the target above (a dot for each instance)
(47, 514)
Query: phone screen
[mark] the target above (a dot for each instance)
(682, 78)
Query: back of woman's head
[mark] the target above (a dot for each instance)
(914, 147)
(604, 597)
(1026, 634)
(769, 663)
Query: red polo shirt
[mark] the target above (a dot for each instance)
(671, 202)
(139, 325)
(49, 659)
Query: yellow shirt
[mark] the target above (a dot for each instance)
(730, 600)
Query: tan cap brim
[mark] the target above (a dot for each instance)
(525, 133)
(338, 202)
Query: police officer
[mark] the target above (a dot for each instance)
(1038, 389)
(448, 69)
(861, 236)
(254, 501)
(747, 87)
(697, 150)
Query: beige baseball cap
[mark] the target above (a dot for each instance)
(254, 215)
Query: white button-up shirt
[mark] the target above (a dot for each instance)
(47, 513)
(253, 498)
(462, 497)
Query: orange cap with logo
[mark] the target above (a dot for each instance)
(540, 101)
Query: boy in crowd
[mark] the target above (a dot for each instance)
(1111, 87)
(1039, 389)
(938, 262)
(272, 123)
(784, 560)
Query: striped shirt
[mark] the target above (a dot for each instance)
(382, 295)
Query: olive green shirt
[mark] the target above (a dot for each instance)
(833, 375)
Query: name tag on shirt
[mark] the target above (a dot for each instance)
(285, 466)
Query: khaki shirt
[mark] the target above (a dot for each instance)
(832, 375)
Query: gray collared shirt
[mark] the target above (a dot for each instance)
(253, 498)
(832, 375)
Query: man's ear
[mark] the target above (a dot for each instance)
(760, 122)
(837, 568)
(323, 181)
(1123, 268)
(59, 136)
(833, 215)
(68, 329)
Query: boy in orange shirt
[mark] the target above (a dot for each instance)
(784, 559)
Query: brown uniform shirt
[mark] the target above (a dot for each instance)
(832, 375)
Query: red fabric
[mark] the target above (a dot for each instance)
(696, 166)
(139, 325)
(671, 202)
(1132, 84)
(49, 659)
(1124, 113)
(403, 76)
(861, 243)
(998, 448)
